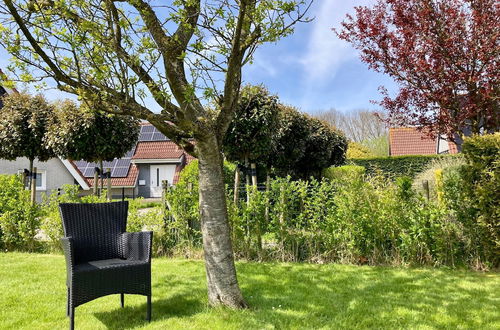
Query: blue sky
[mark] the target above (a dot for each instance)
(315, 70)
(311, 69)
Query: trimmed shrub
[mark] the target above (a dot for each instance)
(394, 166)
(336, 173)
(357, 150)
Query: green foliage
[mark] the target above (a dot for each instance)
(183, 217)
(357, 150)
(19, 219)
(336, 173)
(428, 174)
(251, 132)
(305, 146)
(482, 175)
(356, 219)
(24, 122)
(91, 134)
(379, 146)
(394, 166)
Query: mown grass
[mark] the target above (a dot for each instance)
(281, 296)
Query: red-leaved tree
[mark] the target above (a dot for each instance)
(445, 56)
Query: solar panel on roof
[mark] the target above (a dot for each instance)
(130, 153)
(146, 136)
(150, 133)
(110, 164)
(89, 172)
(120, 172)
(81, 163)
(123, 162)
(148, 128)
(120, 167)
(157, 136)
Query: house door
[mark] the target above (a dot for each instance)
(159, 173)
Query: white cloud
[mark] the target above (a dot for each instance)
(325, 52)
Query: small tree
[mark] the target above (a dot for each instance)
(180, 55)
(79, 132)
(24, 120)
(305, 145)
(444, 54)
(251, 134)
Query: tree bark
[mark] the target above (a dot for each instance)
(223, 288)
(33, 186)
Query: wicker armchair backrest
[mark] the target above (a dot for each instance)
(96, 229)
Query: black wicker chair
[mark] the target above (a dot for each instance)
(101, 258)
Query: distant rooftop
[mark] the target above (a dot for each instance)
(411, 141)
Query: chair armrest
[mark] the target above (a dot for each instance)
(69, 254)
(137, 246)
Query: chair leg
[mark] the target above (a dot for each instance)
(122, 299)
(67, 303)
(72, 319)
(149, 309)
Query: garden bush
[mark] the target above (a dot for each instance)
(429, 173)
(356, 219)
(482, 185)
(334, 173)
(394, 166)
(19, 219)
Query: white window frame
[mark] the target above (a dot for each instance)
(43, 185)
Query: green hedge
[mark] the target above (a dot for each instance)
(396, 166)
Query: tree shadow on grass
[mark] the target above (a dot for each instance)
(179, 305)
(366, 297)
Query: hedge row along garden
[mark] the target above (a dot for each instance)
(351, 216)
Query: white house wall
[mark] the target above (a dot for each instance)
(57, 174)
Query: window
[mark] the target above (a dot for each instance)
(41, 179)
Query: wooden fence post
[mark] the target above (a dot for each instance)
(425, 185)
(236, 185)
(253, 167)
(108, 180)
(96, 183)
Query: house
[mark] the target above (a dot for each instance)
(142, 170)
(139, 173)
(410, 141)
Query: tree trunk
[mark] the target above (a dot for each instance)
(223, 288)
(30, 175)
(236, 185)
(33, 186)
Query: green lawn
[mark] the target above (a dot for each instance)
(282, 296)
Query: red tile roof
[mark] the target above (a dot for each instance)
(453, 147)
(158, 150)
(129, 181)
(410, 141)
